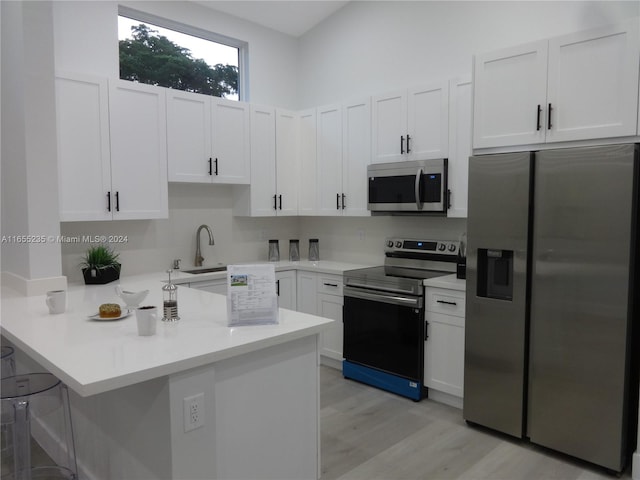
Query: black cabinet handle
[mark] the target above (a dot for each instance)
(216, 167)
(446, 303)
(108, 201)
(448, 199)
(401, 144)
(538, 126)
(210, 166)
(344, 205)
(117, 201)
(408, 148)
(275, 202)
(549, 115)
(280, 199)
(337, 201)
(426, 330)
(278, 288)
(331, 285)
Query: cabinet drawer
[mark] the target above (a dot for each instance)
(449, 302)
(330, 284)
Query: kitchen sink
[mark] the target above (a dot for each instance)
(207, 270)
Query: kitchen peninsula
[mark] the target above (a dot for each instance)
(260, 385)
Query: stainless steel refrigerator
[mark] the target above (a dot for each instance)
(551, 299)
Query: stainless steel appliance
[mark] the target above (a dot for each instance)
(408, 187)
(383, 314)
(551, 334)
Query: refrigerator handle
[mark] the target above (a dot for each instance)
(417, 189)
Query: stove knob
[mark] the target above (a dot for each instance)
(390, 243)
(452, 247)
(442, 247)
(398, 244)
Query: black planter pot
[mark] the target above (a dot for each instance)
(100, 276)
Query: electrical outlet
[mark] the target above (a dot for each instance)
(193, 412)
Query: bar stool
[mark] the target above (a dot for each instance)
(8, 365)
(41, 396)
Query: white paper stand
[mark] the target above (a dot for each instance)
(251, 295)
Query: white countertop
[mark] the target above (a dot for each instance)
(321, 266)
(93, 357)
(447, 281)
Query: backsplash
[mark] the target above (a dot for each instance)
(152, 245)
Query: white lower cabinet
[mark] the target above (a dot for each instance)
(213, 286)
(286, 289)
(444, 347)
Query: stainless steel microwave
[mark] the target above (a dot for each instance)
(408, 187)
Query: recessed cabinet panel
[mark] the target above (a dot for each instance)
(138, 151)
(389, 127)
(460, 108)
(287, 133)
(509, 96)
(356, 156)
(593, 79)
(263, 161)
(307, 198)
(231, 141)
(84, 157)
(428, 122)
(329, 158)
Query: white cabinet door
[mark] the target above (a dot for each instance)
(138, 128)
(307, 193)
(331, 340)
(188, 137)
(356, 156)
(459, 145)
(428, 122)
(307, 296)
(329, 158)
(287, 162)
(444, 354)
(263, 161)
(84, 157)
(593, 83)
(510, 90)
(286, 289)
(389, 119)
(231, 141)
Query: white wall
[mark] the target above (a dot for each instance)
(373, 47)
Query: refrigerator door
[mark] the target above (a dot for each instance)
(582, 252)
(495, 325)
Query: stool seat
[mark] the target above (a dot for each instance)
(39, 395)
(8, 362)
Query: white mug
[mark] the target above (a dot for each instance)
(56, 301)
(147, 318)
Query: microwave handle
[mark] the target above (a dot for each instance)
(417, 189)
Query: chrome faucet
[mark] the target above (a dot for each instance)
(199, 258)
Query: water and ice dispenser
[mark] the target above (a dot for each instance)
(495, 273)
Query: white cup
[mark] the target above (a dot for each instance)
(147, 318)
(56, 301)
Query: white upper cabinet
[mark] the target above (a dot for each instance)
(459, 145)
(287, 133)
(329, 159)
(112, 156)
(509, 96)
(307, 166)
(574, 87)
(138, 128)
(208, 139)
(593, 83)
(411, 124)
(84, 156)
(356, 156)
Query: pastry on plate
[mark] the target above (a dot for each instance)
(110, 310)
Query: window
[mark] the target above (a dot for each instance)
(168, 54)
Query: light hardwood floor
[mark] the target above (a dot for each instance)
(370, 434)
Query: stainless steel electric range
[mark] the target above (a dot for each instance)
(383, 314)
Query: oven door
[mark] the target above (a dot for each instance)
(384, 331)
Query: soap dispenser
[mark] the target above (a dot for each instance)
(170, 301)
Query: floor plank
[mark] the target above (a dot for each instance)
(369, 434)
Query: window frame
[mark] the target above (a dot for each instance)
(242, 46)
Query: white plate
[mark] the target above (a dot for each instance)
(125, 313)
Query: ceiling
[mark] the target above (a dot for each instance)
(293, 17)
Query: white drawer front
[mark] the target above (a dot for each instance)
(330, 284)
(449, 302)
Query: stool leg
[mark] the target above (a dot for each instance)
(71, 444)
(22, 441)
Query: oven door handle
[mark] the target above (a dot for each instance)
(415, 302)
(417, 189)
(386, 289)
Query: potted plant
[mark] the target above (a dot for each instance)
(100, 265)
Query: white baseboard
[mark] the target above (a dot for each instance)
(446, 398)
(635, 465)
(35, 286)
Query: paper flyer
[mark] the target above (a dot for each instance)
(251, 295)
